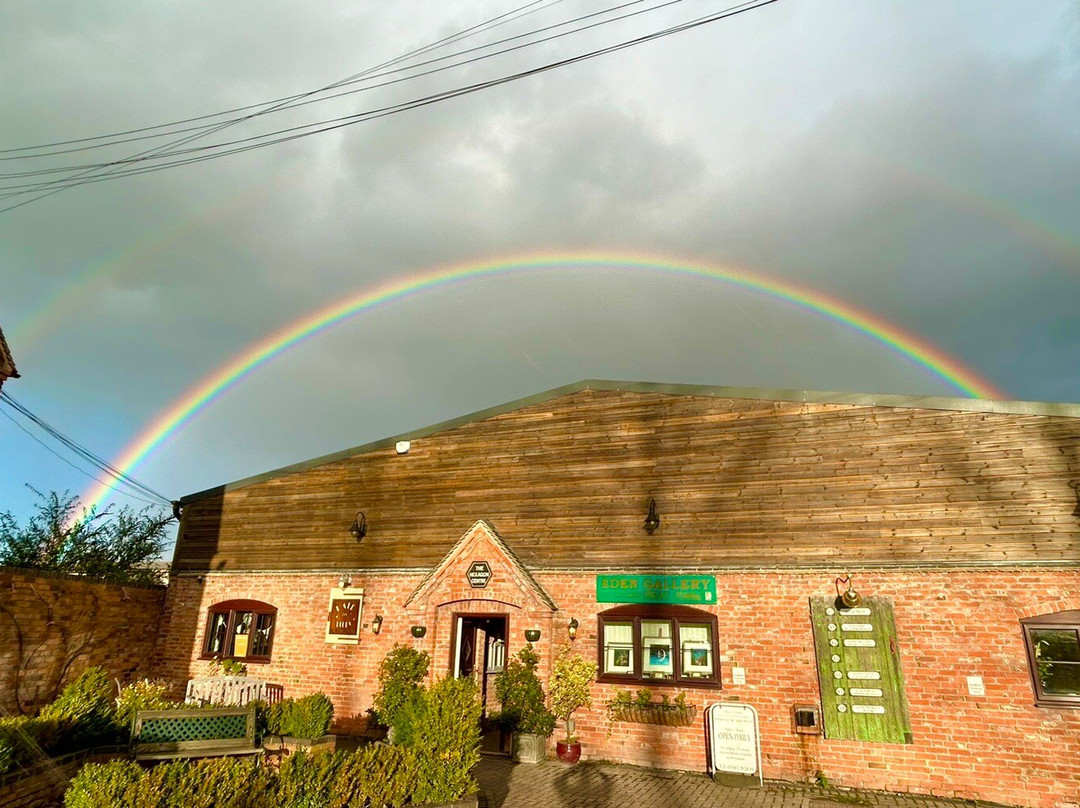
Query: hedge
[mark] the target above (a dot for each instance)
(306, 717)
(376, 776)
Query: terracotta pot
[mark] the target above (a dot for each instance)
(568, 752)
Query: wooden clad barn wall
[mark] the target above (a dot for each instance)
(737, 482)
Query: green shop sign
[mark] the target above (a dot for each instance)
(655, 589)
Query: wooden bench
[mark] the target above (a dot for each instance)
(208, 732)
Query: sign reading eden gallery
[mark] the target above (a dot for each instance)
(656, 589)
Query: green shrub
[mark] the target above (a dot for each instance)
(86, 706)
(141, 695)
(445, 739)
(519, 691)
(437, 768)
(571, 678)
(307, 717)
(305, 779)
(377, 775)
(400, 674)
(310, 716)
(104, 785)
(24, 740)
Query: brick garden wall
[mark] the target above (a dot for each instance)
(949, 625)
(53, 627)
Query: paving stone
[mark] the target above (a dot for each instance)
(551, 784)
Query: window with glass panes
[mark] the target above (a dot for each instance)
(658, 644)
(1053, 647)
(241, 630)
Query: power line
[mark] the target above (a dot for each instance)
(167, 150)
(491, 23)
(63, 459)
(93, 459)
(293, 133)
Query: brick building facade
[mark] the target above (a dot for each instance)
(961, 515)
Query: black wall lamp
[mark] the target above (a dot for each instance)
(652, 521)
(359, 526)
(571, 628)
(532, 634)
(376, 625)
(849, 598)
(419, 631)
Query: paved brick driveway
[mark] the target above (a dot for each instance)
(598, 785)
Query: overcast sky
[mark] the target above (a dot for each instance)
(916, 160)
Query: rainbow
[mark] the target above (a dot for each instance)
(212, 387)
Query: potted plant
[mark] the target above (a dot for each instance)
(571, 678)
(523, 712)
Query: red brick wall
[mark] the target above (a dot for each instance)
(53, 627)
(302, 661)
(949, 625)
(43, 786)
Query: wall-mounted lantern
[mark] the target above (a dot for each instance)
(849, 598)
(571, 628)
(376, 625)
(345, 581)
(359, 526)
(532, 634)
(419, 631)
(652, 521)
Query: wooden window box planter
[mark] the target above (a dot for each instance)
(668, 715)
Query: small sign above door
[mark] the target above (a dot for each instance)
(479, 574)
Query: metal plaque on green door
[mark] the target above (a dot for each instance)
(656, 589)
(858, 662)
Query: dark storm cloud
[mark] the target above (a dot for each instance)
(913, 159)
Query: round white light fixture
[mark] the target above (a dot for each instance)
(402, 447)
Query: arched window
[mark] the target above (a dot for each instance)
(1053, 648)
(241, 630)
(658, 645)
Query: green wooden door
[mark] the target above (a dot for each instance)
(862, 686)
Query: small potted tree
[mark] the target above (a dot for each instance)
(523, 712)
(571, 677)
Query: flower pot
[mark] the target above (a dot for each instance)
(568, 752)
(528, 748)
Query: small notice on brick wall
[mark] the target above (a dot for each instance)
(343, 617)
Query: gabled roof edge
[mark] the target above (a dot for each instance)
(757, 393)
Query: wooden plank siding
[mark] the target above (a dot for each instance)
(738, 482)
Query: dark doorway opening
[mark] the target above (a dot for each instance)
(479, 651)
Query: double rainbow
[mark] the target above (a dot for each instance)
(917, 351)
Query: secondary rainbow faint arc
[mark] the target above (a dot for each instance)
(211, 387)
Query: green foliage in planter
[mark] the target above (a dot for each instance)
(307, 717)
(640, 708)
(400, 674)
(141, 695)
(86, 706)
(23, 740)
(518, 689)
(445, 739)
(571, 679)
